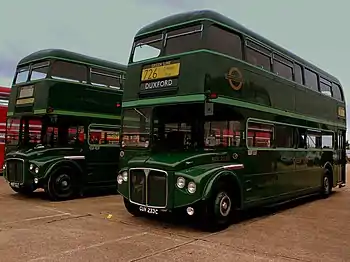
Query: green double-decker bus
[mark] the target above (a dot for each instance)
(217, 119)
(63, 124)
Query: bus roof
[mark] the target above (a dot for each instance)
(216, 17)
(68, 55)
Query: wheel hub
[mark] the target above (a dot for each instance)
(326, 184)
(225, 205)
(63, 182)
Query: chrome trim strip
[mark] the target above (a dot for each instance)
(74, 157)
(146, 181)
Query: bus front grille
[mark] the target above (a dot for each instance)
(148, 187)
(14, 170)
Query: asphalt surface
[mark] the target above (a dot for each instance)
(100, 229)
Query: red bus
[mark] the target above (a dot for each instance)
(4, 99)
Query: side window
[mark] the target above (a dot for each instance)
(327, 140)
(69, 71)
(325, 87)
(76, 135)
(103, 135)
(260, 135)
(336, 92)
(34, 131)
(298, 76)
(283, 70)
(284, 136)
(301, 137)
(314, 139)
(106, 78)
(222, 133)
(12, 131)
(225, 42)
(257, 58)
(311, 79)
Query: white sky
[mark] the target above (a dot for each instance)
(314, 30)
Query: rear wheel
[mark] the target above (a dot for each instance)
(220, 209)
(132, 208)
(326, 189)
(62, 184)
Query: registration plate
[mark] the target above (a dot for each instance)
(149, 210)
(160, 71)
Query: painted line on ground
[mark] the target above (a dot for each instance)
(34, 219)
(83, 248)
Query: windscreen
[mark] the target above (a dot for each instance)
(37, 71)
(174, 41)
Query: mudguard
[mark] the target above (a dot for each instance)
(211, 182)
(61, 163)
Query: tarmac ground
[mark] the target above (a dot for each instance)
(98, 228)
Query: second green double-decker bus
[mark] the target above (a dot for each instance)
(217, 119)
(63, 123)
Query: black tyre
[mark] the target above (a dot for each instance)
(132, 208)
(220, 210)
(326, 188)
(26, 191)
(62, 185)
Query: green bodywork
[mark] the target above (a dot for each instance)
(260, 175)
(79, 104)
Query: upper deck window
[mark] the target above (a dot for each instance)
(22, 75)
(298, 74)
(258, 55)
(107, 78)
(148, 47)
(183, 40)
(69, 71)
(337, 94)
(311, 79)
(39, 70)
(325, 87)
(282, 67)
(223, 41)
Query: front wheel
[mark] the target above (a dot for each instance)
(219, 210)
(62, 185)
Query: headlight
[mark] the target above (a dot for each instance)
(191, 187)
(180, 182)
(36, 170)
(31, 167)
(4, 166)
(120, 179)
(125, 176)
